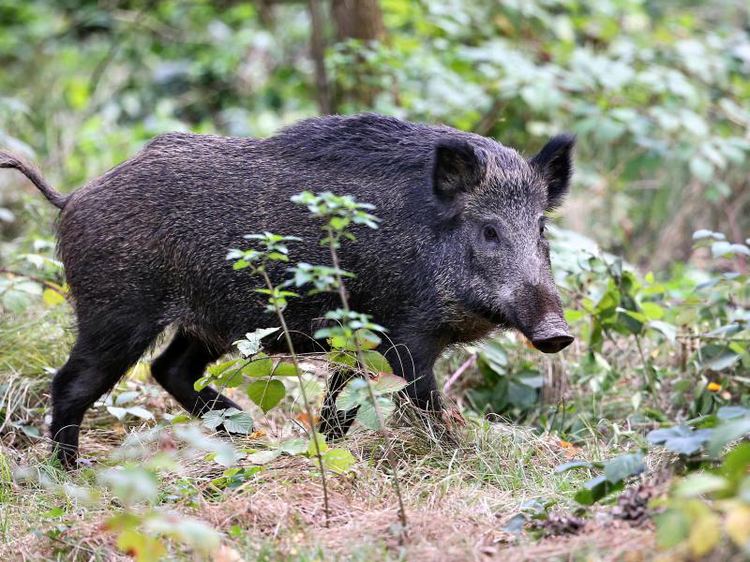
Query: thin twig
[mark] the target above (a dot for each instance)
(460, 371)
(378, 413)
(303, 392)
(48, 284)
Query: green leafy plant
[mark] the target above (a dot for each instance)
(616, 474)
(268, 394)
(692, 525)
(351, 329)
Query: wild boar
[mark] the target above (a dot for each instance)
(460, 252)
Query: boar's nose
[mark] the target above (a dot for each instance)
(551, 335)
(553, 344)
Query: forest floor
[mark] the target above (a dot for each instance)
(460, 489)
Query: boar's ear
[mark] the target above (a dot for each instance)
(555, 164)
(456, 168)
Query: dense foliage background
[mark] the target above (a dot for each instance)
(657, 91)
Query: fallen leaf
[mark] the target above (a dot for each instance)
(303, 418)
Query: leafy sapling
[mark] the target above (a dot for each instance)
(349, 328)
(274, 249)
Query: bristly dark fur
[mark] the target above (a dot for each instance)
(144, 247)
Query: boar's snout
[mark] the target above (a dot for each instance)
(553, 344)
(537, 313)
(551, 334)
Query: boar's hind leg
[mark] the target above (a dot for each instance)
(183, 363)
(101, 355)
(334, 423)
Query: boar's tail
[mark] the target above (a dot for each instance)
(10, 160)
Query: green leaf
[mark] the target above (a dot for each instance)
(219, 368)
(278, 256)
(699, 484)
(572, 315)
(726, 433)
(224, 375)
(529, 377)
(701, 168)
(293, 446)
(730, 412)
(669, 331)
(263, 457)
(117, 412)
(258, 368)
(284, 369)
(572, 465)
(672, 528)
(338, 460)
(238, 422)
(652, 310)
(322, 445)
(126, 397)
(596, 489)
(376, 363)
(366, 339)
(515, 525)
(192, 532)
(213, 418)
(252, 342)
(723, 361)
(388, 384)
(52, 298)
(368, 417)
(140, 412)
(735, 464)
(521, 395)
(354, 394)
(266, 394)
(16, 301)
(344, 358)
(141, 547)
(623, 467)
(202, 382)
(132, 484)
(680, 439)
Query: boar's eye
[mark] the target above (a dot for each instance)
(490, 234)
(542, 226)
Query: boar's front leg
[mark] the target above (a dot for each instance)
(414, 359)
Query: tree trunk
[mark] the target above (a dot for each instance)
(358, 19)
(317, 50)
(361, 20)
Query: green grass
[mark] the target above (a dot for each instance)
(460, 487)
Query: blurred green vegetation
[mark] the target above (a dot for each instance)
(657, 91)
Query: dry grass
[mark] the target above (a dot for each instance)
(459, 494)
(460, 487)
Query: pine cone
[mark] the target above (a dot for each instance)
(632, 505)
(558, 524)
